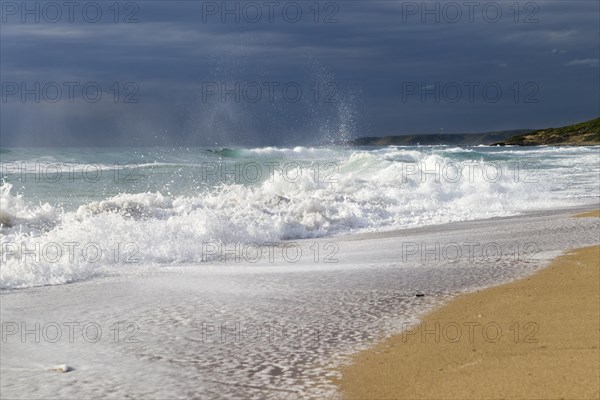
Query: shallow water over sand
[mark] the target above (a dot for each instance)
(267, 329)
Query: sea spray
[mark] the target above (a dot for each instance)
(164, 215)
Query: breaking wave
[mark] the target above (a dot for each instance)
(381, 189)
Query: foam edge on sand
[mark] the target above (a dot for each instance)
(595, 213)
(535, 338)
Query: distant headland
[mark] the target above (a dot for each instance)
(581, 134)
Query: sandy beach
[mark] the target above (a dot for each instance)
(281, 330)
(535, 338)
(588, 214)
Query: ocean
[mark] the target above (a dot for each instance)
(73, 214)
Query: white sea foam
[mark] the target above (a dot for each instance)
(299, 152)
(16, 214)
(390, 188)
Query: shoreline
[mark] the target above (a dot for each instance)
(365, 297)
(588, 214)
(545, 350)
(582, 210)
(578, 211)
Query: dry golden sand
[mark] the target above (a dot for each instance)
(595, 213)
(548, 348)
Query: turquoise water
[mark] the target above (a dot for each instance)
(71, 177)
(168, 200)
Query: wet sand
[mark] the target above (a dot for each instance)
(535, 338)
(160, 330)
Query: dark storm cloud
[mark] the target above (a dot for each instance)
(355, 74)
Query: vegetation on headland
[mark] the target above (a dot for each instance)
(582, 134)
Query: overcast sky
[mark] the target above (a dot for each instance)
(289, 73)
